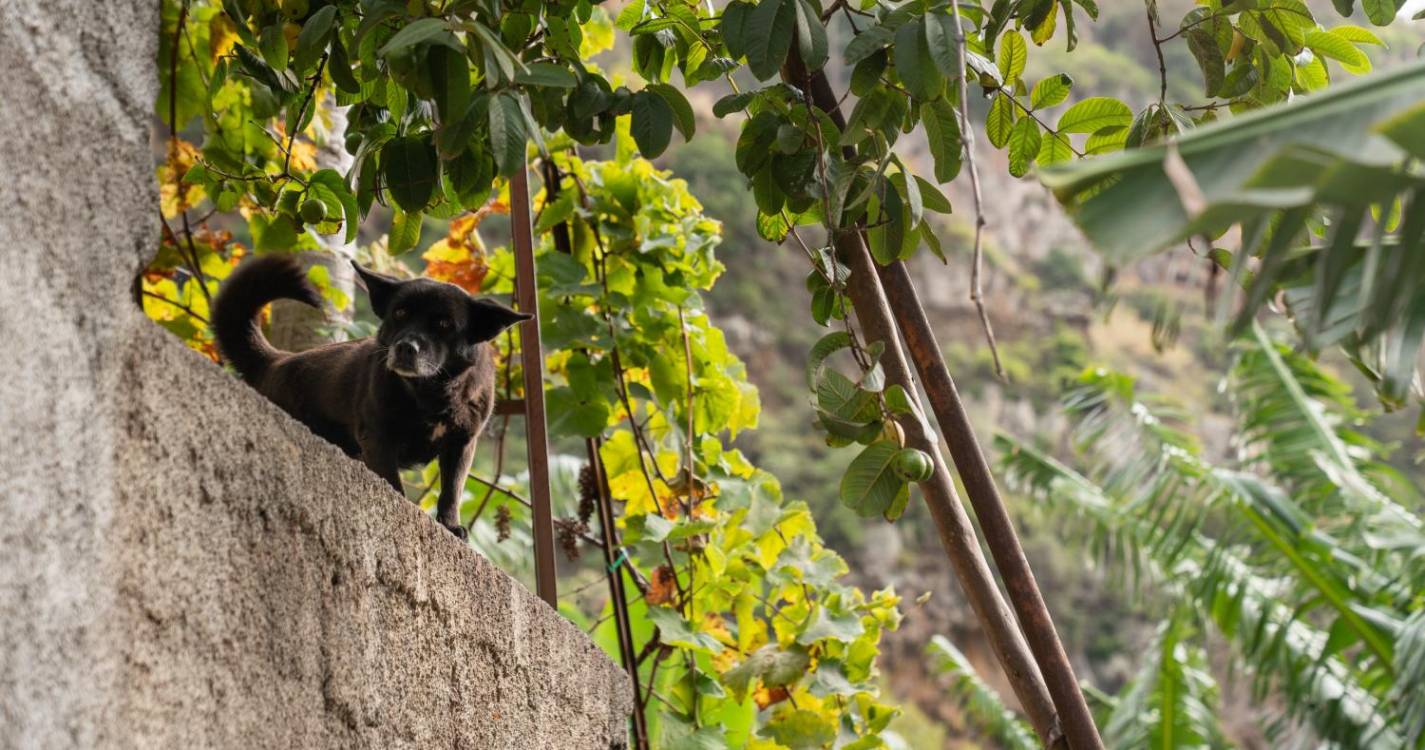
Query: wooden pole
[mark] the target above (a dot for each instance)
(532, 359)
(957, 534)
(1000, 536)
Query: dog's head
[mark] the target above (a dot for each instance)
(429, 327)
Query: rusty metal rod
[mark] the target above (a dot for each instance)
(998, 527)
(614, 561)
(509, 406)
(532, 359)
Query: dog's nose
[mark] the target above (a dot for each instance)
(407, 348)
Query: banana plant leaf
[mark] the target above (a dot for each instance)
(1346, 144)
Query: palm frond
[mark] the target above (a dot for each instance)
(1410, 664)
(982, 704)
(1293, 418)
(1253, 611)
(1266, 574)
(1171, 703)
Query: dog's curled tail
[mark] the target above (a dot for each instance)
(252, 286)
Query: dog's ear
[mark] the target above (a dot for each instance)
(379, 287)
(488, 319)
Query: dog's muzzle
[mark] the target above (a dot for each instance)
(405, 358)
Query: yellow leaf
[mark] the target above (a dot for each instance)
(222, 35)
(444, 252)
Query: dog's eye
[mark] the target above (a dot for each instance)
(444, 324)
(400, 313)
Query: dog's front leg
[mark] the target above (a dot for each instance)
(384, 463)
(455, 457)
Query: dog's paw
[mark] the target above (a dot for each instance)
(458, 530)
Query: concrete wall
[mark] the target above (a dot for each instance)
(181, 565)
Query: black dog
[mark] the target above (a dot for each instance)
(422, 388)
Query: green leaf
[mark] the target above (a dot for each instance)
(547, 75)
(313, 38)
(934, 199)
(410, 169)
(871, 484)
(888, 235)
(682, 111)
(999, 122)
(844, 627)
(339, 67)
(770, 29)
(1204, 48)
(940, 38)
(732, 103)
(805, 729)
(1094, 114)
(416, 32)
(1024, 143)
(942, 134)
(450, 78)
(1044, 30)
(897, 400)
(1054, 148)
(1380, 12)
(911, 190)
(572, 414)
(673, 630)
(652, 126)
(1357, 35)
(1050, 91)
(274, 46)
(811, 36)
(405, 231)
(1327, 44)
(733, 27)
(333, 182)
(1013, 54)
(508, 136)
(867, 43)
(770, 664)
(824, 347)
(913, 64)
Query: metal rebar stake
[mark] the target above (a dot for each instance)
(532, 359)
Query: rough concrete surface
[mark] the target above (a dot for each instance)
(181, 565)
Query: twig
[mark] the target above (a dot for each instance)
(688, 402)
(194, 266)
(302, 113)
(1158, 48)
(502, 490)
(968, 134)
(688, 504)
(176, 304)
(1027, 111)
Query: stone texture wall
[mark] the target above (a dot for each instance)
(181, 565)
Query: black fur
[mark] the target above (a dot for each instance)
(422, 388)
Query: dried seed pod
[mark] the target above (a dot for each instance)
(588, 493)
(502, 522)
(569, 530)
